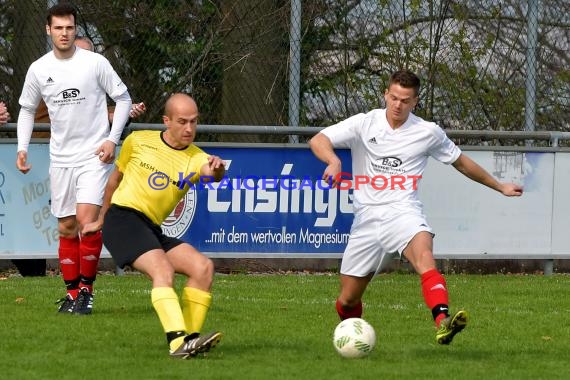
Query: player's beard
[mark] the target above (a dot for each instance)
(64, 48)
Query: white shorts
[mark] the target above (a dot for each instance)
(82, 184)
(378, 234)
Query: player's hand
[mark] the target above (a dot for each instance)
(106, 152)
(137, 110)
(91, 228)
(215, 167)
(215, 163)
(4, 115)
(511, 189)
(21, 162)
(331, 174)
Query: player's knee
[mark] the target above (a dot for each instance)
(163, 278)
(68, 231)
(207, 268)
(202, 272)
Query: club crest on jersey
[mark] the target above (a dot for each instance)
(179, 220)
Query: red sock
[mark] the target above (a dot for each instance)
(89, 251)
(68, 253)
(435, 293)
(345, 313)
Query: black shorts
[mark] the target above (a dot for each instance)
(128, 234)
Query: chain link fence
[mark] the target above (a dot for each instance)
(484, 65)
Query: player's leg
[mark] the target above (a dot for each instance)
(434, 288)
(419, 253)
(132, 239)
(164, 299)
(360, 261)
(68, 255)
(196, 296)
(90, 184)
(63, 208)
(90, 247)
(349, 301)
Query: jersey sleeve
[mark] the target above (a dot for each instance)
(120, 117)
(344, 133)
(25, 128)
(444, 150)
(125, 153)
(199, 159)
(117, 90)
(109, 79)
(29, 100)
(31, 91)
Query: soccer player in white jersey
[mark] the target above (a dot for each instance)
(74, 82)
(390, 148)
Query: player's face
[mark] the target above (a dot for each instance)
(62, 32)
(400, 101)
(181, 125)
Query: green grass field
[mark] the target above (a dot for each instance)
(280, 327)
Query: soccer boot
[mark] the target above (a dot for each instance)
(195, 344)
(451, 325)
(67, 304)
(83, 302)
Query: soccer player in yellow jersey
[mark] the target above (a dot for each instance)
(142, 191)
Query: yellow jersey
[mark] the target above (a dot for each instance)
(155, 175)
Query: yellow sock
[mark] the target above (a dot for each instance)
(175, 343)
(195, 305)
(166, 304)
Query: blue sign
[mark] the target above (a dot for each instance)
(271, 202)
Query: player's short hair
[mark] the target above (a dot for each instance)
(406, 79)
(62, 9)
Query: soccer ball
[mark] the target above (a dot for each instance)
(354, 338)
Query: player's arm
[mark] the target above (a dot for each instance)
(117, 90)
(29, 100)
(214, 168)
(24, 130)
(112, 184)
(323, 149)
(472, 170)
(106, 151)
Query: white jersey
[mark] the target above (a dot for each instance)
(391, 161)
(74, 91)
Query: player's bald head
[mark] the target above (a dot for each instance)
(179, 103)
